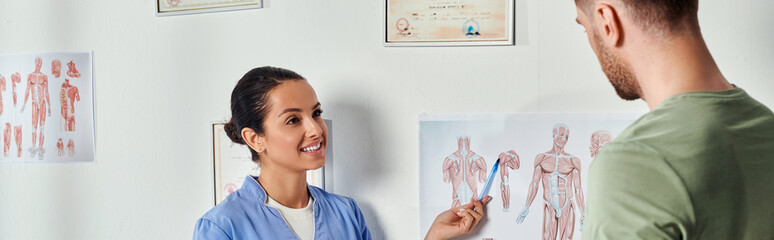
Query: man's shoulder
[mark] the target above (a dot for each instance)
(697, 124)
(627, 151)
(673, 125)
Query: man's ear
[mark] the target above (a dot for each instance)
(254, 140)
(609, 24)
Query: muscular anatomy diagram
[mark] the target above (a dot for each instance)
(559, 174)
(37, 84)
(60, 147)
(508, 160)
(56, 68)
(71, 148)
(2, 89)
(598, 140)
(15, 78)
(464, 168)
(7, 138)
(67, 97)
(18, 134)
(71, 71)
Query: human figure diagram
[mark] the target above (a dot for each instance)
(559, 174)
(37, 84)
(68, 95)
(18, 136)
(15, 78)
(60, 147)
(71, 70)
(17, 130)
(38, 91)
(2, 89)
(508, 160)
(598, 140)
(70, 148)
(56, 68)
(464, 169)
(7, 139)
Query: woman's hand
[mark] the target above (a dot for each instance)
(457, 221)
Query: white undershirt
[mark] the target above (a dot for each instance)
(300, 220)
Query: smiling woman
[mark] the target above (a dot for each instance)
(275, 112)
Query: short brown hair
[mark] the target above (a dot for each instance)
(672, 16)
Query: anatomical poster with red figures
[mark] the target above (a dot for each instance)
(538, 190)
(47, 107)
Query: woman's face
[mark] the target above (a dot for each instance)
(295, 134)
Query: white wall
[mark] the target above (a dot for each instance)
(161, 80)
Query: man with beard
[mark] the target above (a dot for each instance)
(700, 164)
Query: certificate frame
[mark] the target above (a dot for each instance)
(232, 162)
(185, 7)
(391, 37)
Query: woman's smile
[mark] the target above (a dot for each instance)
(315, 148)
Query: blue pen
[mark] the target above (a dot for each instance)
(489, 180)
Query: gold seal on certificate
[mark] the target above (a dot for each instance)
(449, 22)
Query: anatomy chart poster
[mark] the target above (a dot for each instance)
(538, 190)
(47, 107)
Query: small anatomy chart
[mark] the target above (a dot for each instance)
(537, 191)
(47, 107)
(449, 22)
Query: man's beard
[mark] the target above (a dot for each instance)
(618, 72)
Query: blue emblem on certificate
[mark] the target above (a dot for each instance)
(471, 28)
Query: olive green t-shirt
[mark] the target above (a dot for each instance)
(699, 166)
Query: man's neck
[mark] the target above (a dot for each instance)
(674, 66)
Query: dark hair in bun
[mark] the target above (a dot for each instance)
(233, 133)
(250, 101)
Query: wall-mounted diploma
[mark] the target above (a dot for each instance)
(181, 7)
(449, 22)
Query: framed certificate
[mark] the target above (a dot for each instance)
(233, 162)
(449, 22)
(181, 7)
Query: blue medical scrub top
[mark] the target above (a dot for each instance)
(244, 215)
